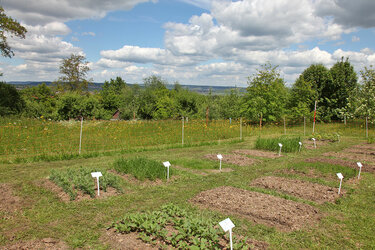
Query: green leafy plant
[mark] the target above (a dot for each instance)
(290, 144)
(176, 227)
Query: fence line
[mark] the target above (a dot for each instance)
(29, 138)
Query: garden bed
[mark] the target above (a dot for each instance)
(309, 144)
(350, 164)
(258, 153)
(260, 208)
(302, 189)
(235, 159)
(8, 202)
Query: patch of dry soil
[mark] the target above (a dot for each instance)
(8, 201)
(355, 157)
(259, 153)
(311, 173)
(81, 196)
(235, 159)
(46, 243)
(309, 144)
(303, 189)
(261, 208)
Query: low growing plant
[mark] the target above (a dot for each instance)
(72, 180)
(290, 144)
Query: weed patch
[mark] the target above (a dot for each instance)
(290, 144)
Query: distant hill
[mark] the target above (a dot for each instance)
(98, 86)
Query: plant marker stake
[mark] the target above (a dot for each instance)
(314, 118)
(230, 121)
(304, 126)
(167, 164)
(97, 175)
(338, 137)
(227, 225)
(220, 157)
(284, 126)
(314, 142)
(300, 146)
(366, 128)
(360, 168)
(280, 145)
(340, 176)
(182, 130)
(80, 136)
(241, 128)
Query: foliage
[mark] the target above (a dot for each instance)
(302, 96)
(73, 72)
(9, 25)
(73, 180)
(266, 95)
(111, 94)
(40, 101)
(142, 168)
(190, 231)
(10, 100)
(290, 144)
(332, 137)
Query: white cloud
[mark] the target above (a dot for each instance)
(90, 33)
(355, 39)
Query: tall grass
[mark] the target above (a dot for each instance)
(142, 168)
(290, 144)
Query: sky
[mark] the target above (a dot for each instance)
(194, 42)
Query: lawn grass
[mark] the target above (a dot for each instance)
(142, 168)
(347, 224)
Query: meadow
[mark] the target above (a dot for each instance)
(33, 215)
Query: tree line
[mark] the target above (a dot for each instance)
(337, 92)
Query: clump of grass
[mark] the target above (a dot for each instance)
(72, 180)
(142, 168)
(290, 144)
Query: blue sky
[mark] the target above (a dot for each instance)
(202, 42)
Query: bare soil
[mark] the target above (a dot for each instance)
(131, 179)
(46, 243)
(309, 144)
(310, 173)
(8, 201)
(235, 159)
(355, 157)
(303, 189)
(260, 208)
(259, 153)
(81, 196)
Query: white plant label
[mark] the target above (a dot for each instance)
(314, 142)
(300, 146)
(340, 176)
(300, 143)
(220, 157)
(360, 168)
(167, 164)
(280, 145)
(227, 225)
(97, 175)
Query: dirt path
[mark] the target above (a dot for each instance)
(261, 208)
(303, 189)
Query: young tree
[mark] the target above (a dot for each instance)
(9, 26)
(266, 95)
(112, 94)
(10, 100)
(302, 95)
(74, 71)
(364, 103)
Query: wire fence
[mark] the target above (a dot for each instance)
(32, 138)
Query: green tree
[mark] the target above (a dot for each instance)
(344, 83)
(40, 101)
(230, 104)
(74, 70)
(112, 94)
(9, 26)
(302, 96)
(266, 95)
(364, 103)
(11, 102)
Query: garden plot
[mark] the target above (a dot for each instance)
(258, 153)
(350, 164)
(261, 208)
(46, 243)
(309, 144)
(235, 159)
(172, 227)
(78, 184)
(303, 189)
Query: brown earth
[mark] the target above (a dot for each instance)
(8, 201)
(46, 243)
(259, 153)
(235, 159)
(46, 183)
(367, 167)
(309, 144)
(204, 172)
(311, 173)
(303, 189)
(260, 208)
